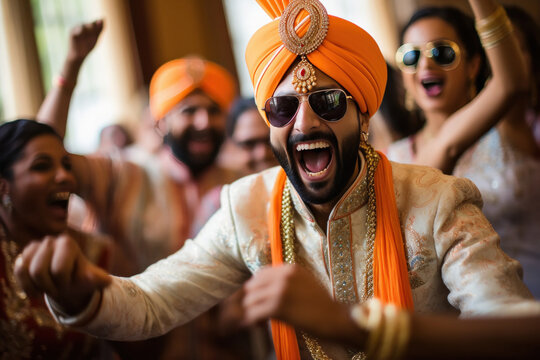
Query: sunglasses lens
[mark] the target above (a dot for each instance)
(330, 105)
(410, 58)
(443, 54)
(281, 109)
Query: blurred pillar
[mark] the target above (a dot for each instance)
(380, 21)
(124, 69)
(21, 73)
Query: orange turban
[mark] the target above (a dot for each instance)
(176, 79)
(348, 54)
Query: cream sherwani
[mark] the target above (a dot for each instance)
(453, 254)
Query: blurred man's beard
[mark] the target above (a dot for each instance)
(195, 162)
(345, 158)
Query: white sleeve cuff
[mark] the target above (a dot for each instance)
(78, 319)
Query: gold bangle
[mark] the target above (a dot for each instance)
(375, 325)
(492, 39)
(403, 334)
(391, 326)
(388, 327)
(369, 316)
(494, 17)
(494, 28)
(499, 27)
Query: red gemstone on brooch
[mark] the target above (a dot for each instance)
(302, 72)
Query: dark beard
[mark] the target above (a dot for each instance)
(195, 163)
(345, 158)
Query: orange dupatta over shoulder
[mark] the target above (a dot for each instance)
(390, 275)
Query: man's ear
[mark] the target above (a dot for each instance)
(161, 126)
(363, 120)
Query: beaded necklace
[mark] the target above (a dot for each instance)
(288, 239)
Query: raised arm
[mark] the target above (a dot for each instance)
(55, 107)
(508, 81)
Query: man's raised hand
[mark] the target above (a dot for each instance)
(292, 294)
(83, 38)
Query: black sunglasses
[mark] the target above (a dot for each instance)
(445, 53)
(329, 105)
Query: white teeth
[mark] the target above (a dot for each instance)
(318, 173)
(64, 195)
(311, 146)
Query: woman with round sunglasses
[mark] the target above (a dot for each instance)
(505, 162)
(444, 70)
(35, 185)
(505, 165)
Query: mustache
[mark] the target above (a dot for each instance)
(190, 132)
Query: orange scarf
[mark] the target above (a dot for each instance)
(390, 275)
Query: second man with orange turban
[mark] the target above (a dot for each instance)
(150, 208)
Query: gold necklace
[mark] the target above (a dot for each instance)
(288, 238)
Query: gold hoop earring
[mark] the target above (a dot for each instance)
(365, 136)
(6, 203)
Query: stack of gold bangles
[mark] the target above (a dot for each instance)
(493, 28)
(388, 327)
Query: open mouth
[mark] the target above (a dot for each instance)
(201, 142)
(200, 146)
(314, 157)
(59, 199)
(433, 86)
(201, 136)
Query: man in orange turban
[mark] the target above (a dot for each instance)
(373, 239)
(149, 207)
(190, 98)
(318, 79)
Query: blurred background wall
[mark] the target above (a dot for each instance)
(141, 35)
